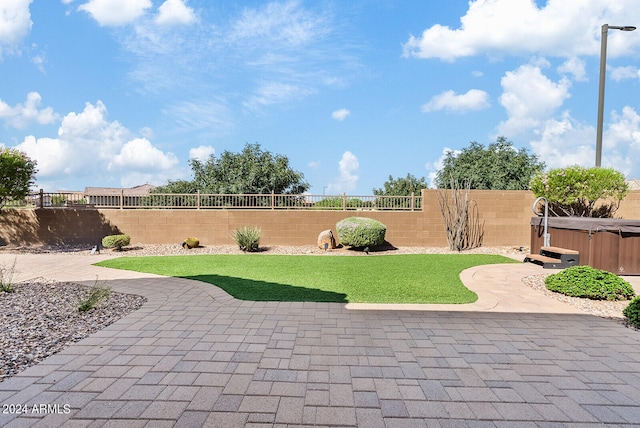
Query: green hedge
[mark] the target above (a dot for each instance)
(360, 232)
(116, 241)
(632, 311)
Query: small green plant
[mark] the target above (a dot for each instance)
(360, 232)
(190, 243)
(116, 241)
(95, 295)
(590, 283)
(6, 277)
(58, 200)
(632, 312)
(247, 238)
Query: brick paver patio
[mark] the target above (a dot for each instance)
(193, 356)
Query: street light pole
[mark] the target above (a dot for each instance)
(603, 70)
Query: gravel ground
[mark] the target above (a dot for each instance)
(163, 250)
(41, 317)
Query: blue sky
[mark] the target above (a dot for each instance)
(123, 92)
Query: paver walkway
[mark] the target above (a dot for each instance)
(193, 356)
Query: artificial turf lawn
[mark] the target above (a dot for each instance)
(406, 278)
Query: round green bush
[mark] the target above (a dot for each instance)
(116, 241)
(632, 311)
(590, 283)
(360, 232)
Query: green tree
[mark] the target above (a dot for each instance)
(497, 167)
(17, 174)
(580, 191)
(250, 171)
(402, 186)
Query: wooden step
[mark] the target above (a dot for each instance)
(554, 258)
(558, 250)
(543, 259)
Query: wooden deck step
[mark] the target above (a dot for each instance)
(543, 259)
(554, 258)
(559, 250)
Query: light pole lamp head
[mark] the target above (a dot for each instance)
(621, 28)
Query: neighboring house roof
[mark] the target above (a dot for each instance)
(142, 189)
(634, 184)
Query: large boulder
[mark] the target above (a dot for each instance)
(326, 237)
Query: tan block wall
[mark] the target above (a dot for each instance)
(630, 206)
(506, 216)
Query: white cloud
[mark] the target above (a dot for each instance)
(565, 142)
(202, 153)
(474, 99)
(270, 93)
(175, 12)
(89, 148)
(22, 115)
(624, 73)
(348, 179)
(140, 154)
(341, 114)
(314, 164)
(281, 22)
(210, 117)
(575, 67)
(559, 28)
(529, 98)
(115, 12)
(15, 24)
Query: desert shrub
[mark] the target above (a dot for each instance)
(360, 232)
(590, 283)
(247, 238)
(116, 241)
(6, 277)
(580, 191)
(191, 243)
(95, 295)
(632, 311)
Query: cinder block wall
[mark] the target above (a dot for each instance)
(506, 216)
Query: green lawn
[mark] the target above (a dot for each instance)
(409, 278)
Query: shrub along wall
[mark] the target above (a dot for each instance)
(506, 216)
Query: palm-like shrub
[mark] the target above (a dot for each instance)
(361, 232)
(247, 238)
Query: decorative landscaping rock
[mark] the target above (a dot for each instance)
(190, 243)
(326, 237)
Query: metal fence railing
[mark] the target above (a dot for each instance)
(121, 200)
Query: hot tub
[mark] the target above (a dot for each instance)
(603, 243)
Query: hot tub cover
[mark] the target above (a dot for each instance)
(590, 224)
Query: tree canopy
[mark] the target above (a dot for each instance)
(402, 186)
(17, 174)
(497, 167)
(580, 191)
(252, 171)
